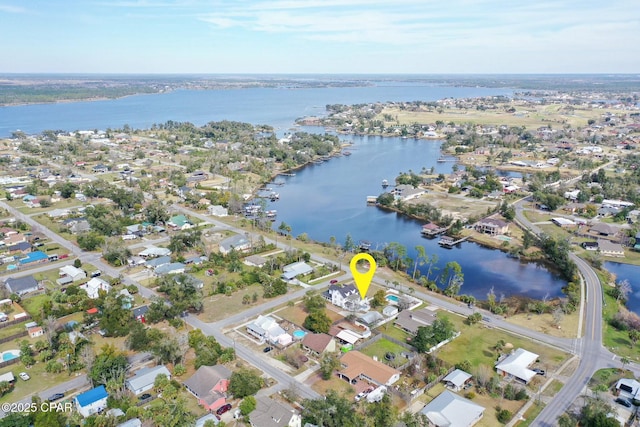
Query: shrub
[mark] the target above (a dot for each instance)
(470, 395)
(503, 415)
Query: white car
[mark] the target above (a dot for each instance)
(24, 376)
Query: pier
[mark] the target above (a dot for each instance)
(449, 242)
(432, 230)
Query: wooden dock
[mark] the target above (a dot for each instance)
(449, 242)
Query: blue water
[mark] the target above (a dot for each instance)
(392, 298)
(299, 333)
(322, 200)
(9, 356)
(275, 107)
(632, 274)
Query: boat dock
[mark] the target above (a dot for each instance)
(449, 242)
(432, 230)
(372, 200)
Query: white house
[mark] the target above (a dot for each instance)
(217, 210)
(516, 365)
(456, 379)
(154, 252)
(450, 410)
(265, 328)
(92, 401)
(296, 269)
(74, 273)
(628, 388)
(144, 379)
(346, 297)
(95, 285)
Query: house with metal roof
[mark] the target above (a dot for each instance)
(94, 286)
(92, 401)
(291, 271)
(144, 379)
(450, 410)
(516, 365)
(171, 268)
(456, 379)
(154, 252)
(238, 243)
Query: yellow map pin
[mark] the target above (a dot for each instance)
(363, 280)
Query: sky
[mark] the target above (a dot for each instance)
(320, 36)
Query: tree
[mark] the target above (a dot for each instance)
(421, 258)
(379, 299)
(349, 244)
(116, 319)
(312, 300)
(624, 361)
(428, 336)
(317, 321)
(622, 290)
(244, 382)
(90, 241)
(452, 278)
(328, 364)
(331, 411)
(247, 405)
(634, 336)
(474, 318)
(156, 213)
(383, 413)
(107, 366)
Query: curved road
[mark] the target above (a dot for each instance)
(592, 355)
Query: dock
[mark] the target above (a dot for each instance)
(449, 242)
(372, 200)
(432, 230)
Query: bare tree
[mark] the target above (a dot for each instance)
(50, 326)
(623, 290)
(558, 315)
(87, 356)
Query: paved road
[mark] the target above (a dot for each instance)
(593, 355)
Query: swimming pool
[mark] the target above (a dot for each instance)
(299, 334)
(10, 354)
(392, 298)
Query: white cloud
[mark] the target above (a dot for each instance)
(12, 9)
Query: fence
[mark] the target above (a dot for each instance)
(14, 336)
(15, 321)
(9, 362)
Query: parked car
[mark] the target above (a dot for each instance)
(96, 273)
(55, 397)
(334, 281)
(224, 408)
(539, 371)
(267, 349)
(145, 396)
(623, 402)
(3, 317)
(24, 376)
(361, 395)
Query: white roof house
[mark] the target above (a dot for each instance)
(456, 379)
(72, 272)
(266, 328)
(95, 285)
(296, 269)
(154, 251)
(517, 364)
(629, 388)
(144, 379)
(451, 410)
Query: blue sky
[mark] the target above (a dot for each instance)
(320, 36)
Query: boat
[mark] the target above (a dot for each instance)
(271, 214)
(385, 183)
(346, 153)
(364, 245)
(274, 196)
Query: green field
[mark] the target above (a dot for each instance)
(383, 346)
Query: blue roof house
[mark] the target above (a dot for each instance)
(92, 401)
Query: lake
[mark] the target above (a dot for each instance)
(322, 200)
(632, 274)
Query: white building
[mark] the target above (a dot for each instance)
(94, 286)
(265, 328)
(451, 410)
(144, 379)
(516, 365)
(346, 297)
(72, 272)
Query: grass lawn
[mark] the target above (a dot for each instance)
(531, 414)
(615, 340)
(219, 306)
(476, 343)
(489, 419)
(335, 383)
(12, 330)
(543, 323)
(608, 377)
(40, 380)
(296, 314)
(552, 388)
(33, 305)
(393, 332)
(382, 347)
